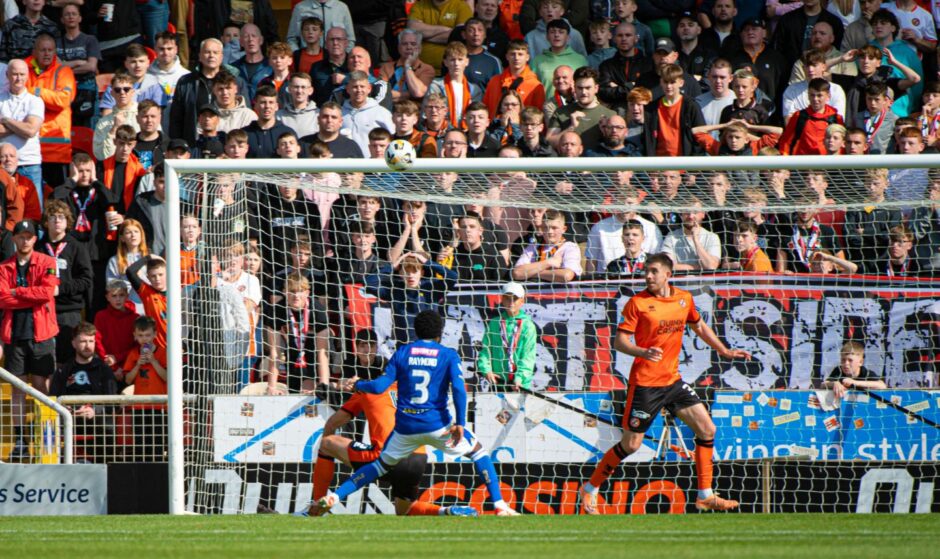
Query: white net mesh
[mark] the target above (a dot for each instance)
(798, 267)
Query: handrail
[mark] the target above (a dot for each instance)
(119, 399)
(63, 412)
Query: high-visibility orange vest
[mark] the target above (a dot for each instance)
(56, 87)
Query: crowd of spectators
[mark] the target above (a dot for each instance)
(96, 95)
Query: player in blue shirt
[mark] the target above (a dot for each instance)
(426, 372)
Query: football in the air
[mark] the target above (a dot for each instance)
(400, 155)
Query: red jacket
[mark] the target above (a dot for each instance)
(116, 329)
(811, 139)
(40, 296)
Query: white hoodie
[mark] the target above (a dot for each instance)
(238, 117)
(168, 78)
(359, 122)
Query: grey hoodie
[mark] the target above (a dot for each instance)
(303, 121)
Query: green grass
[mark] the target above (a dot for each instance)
(136, 537)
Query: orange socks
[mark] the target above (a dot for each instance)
(323, 476)
(703, 462)
(607, 465)
(421, 508)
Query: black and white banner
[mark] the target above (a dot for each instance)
(794, 327)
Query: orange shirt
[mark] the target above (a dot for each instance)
(658, 322)
(155, 307)
(669, 143)
(423, 143)
(758, 262)
(189, 267)
(147, 380)
(307, 60)
(380, 413)
(379, 410)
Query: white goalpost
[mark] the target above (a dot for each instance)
(785, 441)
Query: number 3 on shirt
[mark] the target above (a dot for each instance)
(421, 380)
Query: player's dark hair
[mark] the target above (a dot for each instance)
(429, 325)
(660, 258)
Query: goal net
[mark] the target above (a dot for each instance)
(295, 274)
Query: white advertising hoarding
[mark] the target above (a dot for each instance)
(53, 489)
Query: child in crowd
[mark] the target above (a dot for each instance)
(537, 39)
(239, 307)
(835, 139)
(458, 91)
(115, 327)
(311, 29)
(600, 43)
(752, 257)
(152, 292)
(851, 372)
(898, 260)
(145, 369)
(532, 143)
(132, 246)
(405, 115)
(736, 137)
(625, 11)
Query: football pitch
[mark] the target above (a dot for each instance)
(574, 537)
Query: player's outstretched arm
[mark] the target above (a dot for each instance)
(709, 336)
(381, 384)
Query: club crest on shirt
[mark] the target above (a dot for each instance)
(682, 303)
(915, 22)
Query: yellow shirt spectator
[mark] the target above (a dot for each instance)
(435, 20)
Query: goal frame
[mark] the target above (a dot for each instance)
(176, 167)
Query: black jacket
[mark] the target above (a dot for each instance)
(7, 248)
(321, 74)
(210, 16)
(139, 210)
(75, 273)
(647, 10)
(710, 40)
(74, 379)
(623, 71)
(544, 149)
(788, 37)
(99, 248)
(364, 12)
(192, 91)
(770, 67)
(690, 116)
(262, 143)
